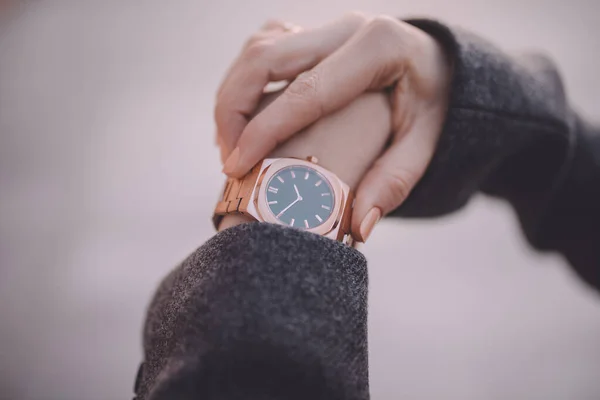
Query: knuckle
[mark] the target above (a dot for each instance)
(356, 17)
(306, 86)
(259, 48)
(306, 91)
(389, 41)
(400, 182)
(400, 187)
(253, 39)
(383, 26)
(271, 23)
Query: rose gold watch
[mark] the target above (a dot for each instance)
(293, 192)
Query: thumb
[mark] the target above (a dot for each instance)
(390, 180)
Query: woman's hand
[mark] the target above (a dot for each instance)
(330, 67)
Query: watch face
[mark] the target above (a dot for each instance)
(300, 196)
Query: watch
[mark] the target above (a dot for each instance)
(294, 192)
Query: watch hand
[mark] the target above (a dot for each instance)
(297, 192)
(288, 207)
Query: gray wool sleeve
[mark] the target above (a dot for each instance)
(260, 311)
(511, 133)
(500, 106)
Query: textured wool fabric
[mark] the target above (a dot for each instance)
(510, 132)
(260, 311)
(269, 312)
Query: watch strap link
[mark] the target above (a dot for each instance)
(236, 196)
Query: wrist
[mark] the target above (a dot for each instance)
(232, 220)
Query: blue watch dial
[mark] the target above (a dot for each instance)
(300, 196)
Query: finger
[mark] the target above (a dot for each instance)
(393, 176)
(372, 59)
(275, 24)
(222, 149)
(274, 59)
(270, 29)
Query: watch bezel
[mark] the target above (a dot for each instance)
(271, 166)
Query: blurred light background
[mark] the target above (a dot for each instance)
(109, 172)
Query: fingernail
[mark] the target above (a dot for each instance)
(368, 223)
(232, 161)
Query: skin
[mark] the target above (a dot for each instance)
(329, 68)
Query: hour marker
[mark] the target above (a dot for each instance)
(319, 218)
(293, 175)
(306, 224)
(273, 190)
(318, 183)
(306, 175)
(280, 179)
(273, 202)
(326, 207)
(292, 222)
(325, 194)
